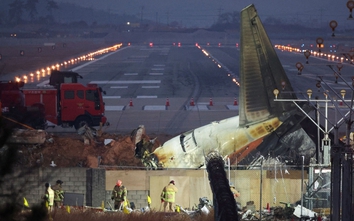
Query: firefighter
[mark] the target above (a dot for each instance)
(58, 194)
(119, 195)
(168, 196)
(48, 197)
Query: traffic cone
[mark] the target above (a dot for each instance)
(268, 207)
(211, 102)
(131, 103)
(192, 102)
(167, 102)
(235, 102)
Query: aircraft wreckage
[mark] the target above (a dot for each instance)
(263, 128)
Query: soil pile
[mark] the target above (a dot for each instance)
(73, 150)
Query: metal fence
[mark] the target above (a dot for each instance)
(270, 185)
(284, 186)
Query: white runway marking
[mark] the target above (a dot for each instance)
(119, 87)
(128, 82)
(111, 97)
(156, 74)
(114, 108)
(98, 59)
(145, 96)
(130, 74)
(198, 107)
(232, 107)
(150, 87)
(154, 107)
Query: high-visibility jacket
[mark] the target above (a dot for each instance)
(119, 193)
(49, 197)
(169, 192)
(58, 193)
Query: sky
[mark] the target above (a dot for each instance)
(205, 12)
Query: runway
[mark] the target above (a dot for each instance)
(172, 89)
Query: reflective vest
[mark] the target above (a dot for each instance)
(169, 192)
(58, 193)
(49, 196)
(119, 193)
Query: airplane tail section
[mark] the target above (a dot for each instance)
(261, 72)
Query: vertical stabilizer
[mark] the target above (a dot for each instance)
(261, 72)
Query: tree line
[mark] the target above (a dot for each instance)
(19, 11)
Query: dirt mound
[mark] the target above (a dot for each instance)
(70, 150)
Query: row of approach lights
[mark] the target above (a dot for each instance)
(42, 72)
(319, 42)
(218, 63)
(333, 24)
(307, 54)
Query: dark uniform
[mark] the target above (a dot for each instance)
(58, 194)
(119, 195)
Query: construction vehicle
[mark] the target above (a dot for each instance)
(63, 102)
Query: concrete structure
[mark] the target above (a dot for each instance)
(96, 185)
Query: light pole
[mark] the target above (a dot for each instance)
(339, 156)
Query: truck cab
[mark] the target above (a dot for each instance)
(80, 105)
(68, 103)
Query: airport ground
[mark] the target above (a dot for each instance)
(181, 73)
(187, 73)
(175, 88)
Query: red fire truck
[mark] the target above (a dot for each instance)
(64, 104)
(13, 110)
(73, 104)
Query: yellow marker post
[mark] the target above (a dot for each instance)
(25, 203)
